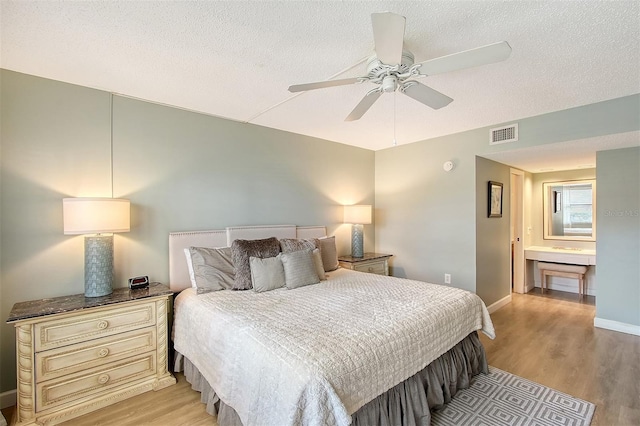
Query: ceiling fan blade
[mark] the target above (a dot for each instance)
(426, 95)
(364, 105)
(323, 84)
(388, 35)
(469, 58)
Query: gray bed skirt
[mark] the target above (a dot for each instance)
(407, 404)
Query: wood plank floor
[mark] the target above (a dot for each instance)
(549, 339)
(177, 405)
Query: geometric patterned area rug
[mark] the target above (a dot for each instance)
(501, 398)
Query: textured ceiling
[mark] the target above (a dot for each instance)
(236, 59)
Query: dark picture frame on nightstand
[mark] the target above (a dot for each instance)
(495, 199)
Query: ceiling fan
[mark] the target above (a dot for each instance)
(392, 68)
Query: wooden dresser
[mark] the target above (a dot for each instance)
(76, 354)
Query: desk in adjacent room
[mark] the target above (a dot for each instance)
(564, 255)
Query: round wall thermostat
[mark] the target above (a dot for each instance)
(447, 166)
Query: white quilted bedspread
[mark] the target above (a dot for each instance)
(316, 354)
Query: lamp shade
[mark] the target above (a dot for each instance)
(357, 214)
(95, 215)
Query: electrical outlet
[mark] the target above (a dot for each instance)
(447, 278)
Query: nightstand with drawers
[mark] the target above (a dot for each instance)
(77, 354)
(374, 263)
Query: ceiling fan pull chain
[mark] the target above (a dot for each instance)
(395, 143)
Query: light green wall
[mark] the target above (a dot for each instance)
(618, 238)
(186, 171)
(54, 139)
(181, 170)
(426, 217)
(493, 239)
(618, 115)
(422, 211)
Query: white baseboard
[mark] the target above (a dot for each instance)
(616, 326)
(8, 399)
(499, 304)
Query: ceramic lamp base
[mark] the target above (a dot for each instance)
(357, 241)
(98, 265)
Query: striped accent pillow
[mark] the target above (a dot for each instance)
(299, 269)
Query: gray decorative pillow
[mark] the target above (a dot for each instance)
(242, 250)
(288, 245)
(212, 268)
(329, 253)
(266, 274)
(299, 269)
(317, 263)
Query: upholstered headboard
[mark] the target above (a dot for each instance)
(178, 241)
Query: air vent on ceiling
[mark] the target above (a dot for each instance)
(503, 134)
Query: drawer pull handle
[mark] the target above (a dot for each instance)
(103, 324)
(103, 352)
(103, 379)
(370, 269)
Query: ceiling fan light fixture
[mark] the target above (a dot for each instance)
(389, 84)
(376, 68)
(392, 67)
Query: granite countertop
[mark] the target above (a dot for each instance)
(367, 256)
(57, 305)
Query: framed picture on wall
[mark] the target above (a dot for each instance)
(495, 199)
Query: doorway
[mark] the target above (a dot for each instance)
(516, 217)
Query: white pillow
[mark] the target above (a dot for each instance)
(299, 269)
(192, 275)
(266, 274)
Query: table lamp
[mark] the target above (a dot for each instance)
(357, 215)
(100, 218)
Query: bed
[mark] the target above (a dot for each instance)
(355, 348)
